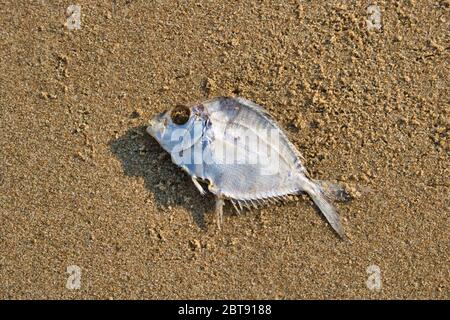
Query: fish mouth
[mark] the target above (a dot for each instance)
(157, 124)
(151, 128)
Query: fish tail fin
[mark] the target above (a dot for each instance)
(321, 197)
(333, 191)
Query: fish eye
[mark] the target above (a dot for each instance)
(180, 114)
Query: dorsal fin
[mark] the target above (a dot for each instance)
(264, 113)
(250, 104)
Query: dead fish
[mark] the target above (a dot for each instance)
(234, 146)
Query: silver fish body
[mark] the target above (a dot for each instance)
(235, 146)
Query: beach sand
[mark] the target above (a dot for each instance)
(92, 207)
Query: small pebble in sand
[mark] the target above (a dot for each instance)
(136, 113)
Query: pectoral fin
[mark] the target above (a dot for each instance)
(198, 186)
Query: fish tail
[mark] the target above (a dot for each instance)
(323, 202)
(333, 191)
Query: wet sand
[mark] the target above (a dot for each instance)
(82, 184)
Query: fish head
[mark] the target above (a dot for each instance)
(159, 125)
(173, 129)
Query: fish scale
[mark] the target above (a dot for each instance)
(242, 154)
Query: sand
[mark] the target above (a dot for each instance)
(82, 186)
